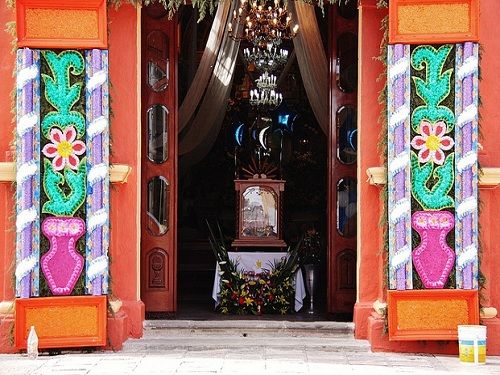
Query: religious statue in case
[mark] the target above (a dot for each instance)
(259, 213)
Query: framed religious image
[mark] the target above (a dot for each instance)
(259, 213)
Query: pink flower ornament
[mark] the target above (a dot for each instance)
(64, 148)
(431, 142)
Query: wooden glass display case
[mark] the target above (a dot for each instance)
(259, 213)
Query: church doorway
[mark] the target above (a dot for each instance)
(191, 183)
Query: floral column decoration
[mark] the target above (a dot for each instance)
(64, 170)
(432, 174)
(432, 165)
(438, 206)
(62, 145)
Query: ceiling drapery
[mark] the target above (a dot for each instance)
(312, 60)
(203, 109)
(206, 67)
(200, 133)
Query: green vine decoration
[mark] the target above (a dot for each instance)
(61, 94)
(436, 86)
(61, 202)
(205, 7)
(435, 198)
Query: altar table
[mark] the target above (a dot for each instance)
(256, 262)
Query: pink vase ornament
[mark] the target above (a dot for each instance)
(433, 258)
(62, 265)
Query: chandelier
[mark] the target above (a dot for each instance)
(267, 59)
(265, 95)
(264, 21)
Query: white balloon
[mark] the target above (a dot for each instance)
(261, 137)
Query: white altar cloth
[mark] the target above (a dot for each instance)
(256, 262)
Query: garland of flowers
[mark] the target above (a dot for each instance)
(241, 292)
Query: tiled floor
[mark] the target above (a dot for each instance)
(206, 348)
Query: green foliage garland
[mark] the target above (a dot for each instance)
(206, 6)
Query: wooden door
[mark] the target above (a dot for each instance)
(159, 161)
(342, 158)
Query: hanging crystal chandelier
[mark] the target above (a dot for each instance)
(267, 59)
(265, 22)
(265, 95)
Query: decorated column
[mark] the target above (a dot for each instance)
(398, 81)
(432, 169)
(62, 148)
(28, 173)
(97, 105)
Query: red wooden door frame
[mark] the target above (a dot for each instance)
(338, 300)
(165, 299)
(159, 253)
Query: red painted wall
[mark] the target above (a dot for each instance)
(125, 222)
(369, 240)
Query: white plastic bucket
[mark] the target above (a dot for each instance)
(472, 344)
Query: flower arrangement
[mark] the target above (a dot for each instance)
(268, 292)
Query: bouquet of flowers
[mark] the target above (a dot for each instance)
(271, 291)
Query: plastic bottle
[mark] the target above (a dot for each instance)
(32, 344)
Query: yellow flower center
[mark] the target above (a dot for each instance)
(432, 142)
(64, 149)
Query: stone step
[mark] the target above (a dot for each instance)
(160, 343)
(249, 328)
(249, 334)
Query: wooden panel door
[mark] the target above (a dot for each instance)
(159, 161)
(342, 158)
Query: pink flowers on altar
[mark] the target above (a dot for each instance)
(64, 148)
(432, 142)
